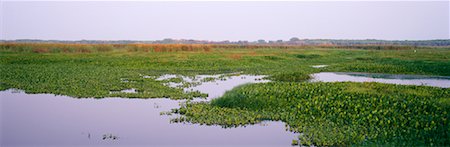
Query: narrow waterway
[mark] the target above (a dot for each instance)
(420, 80)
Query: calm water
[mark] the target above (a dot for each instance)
(49, 120)
(435, 81)
(218, 87)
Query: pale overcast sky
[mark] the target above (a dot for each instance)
(113, 20)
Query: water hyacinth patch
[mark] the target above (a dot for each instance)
(329, 114)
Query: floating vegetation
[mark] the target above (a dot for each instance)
(109, 137)
(307, 56)
(214, 85)
(174, 80)
(155, 105)
(294, 142)
(330, 114)
(132, 90)
(203, 114)
(3, 86)
(209, 79)
(187, 82)
(290, 77)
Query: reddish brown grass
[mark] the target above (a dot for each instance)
(236, 56)
(89, 48)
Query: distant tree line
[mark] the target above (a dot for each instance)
(292, 41)
(90, 48)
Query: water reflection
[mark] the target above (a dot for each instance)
(319, 66)
(131, 90)
(435, 81)
(214, 85)
(49, 120)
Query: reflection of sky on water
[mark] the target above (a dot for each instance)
(435, 81)
(46, 119)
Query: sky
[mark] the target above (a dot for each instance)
(236, 20)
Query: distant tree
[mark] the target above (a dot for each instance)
(167, 40)
(261, 41)
(294, 39)
(242, 42)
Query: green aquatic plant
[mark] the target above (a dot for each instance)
(307, 56)
(209, 79)
(3, 86)
(297, 76)
(174, 80)
(330, 114)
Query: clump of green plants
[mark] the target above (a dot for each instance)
(202, 113)
(296, 76)
(307, 56)
(3, 86)
(209, 79)
(333, 114)
(294, 142)
(174, 80)
(272, 58)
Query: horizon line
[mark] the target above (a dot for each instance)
(176, 39)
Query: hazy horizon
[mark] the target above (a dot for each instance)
(218, 21)
(287, 39)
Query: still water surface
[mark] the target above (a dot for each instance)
(420, 80)
(49, 120)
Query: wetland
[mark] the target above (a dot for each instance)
(144, 94)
